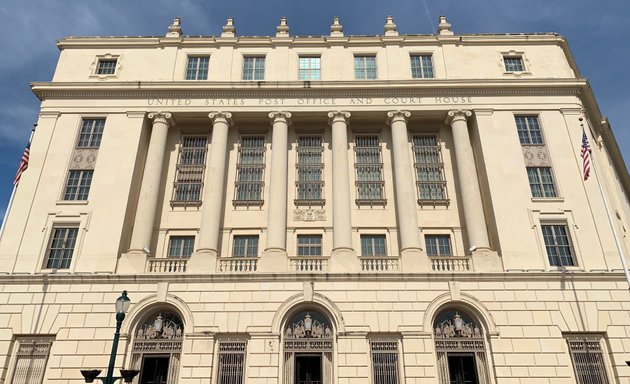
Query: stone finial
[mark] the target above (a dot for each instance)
(283, 28)
(336, 29)
(175, 28)
(444, 28)
(229, 29)
(390, 27)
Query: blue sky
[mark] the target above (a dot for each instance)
(598, 32)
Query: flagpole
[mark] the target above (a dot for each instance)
(622, 256)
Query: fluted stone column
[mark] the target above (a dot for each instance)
(204, 259)
(146, 208)
(483, 257)
(406, 202)
(277, 211)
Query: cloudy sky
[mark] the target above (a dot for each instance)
(598, 32)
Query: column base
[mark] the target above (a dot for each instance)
(203, 261)
(486, 260)
(273, 260)
(133, 262)
(414, 260)
(344, 260)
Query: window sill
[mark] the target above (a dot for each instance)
(517, 73)
(547, 199)
(185, 204)
(309, 203)
(248, 203)
(370, 203)
(444, 202)
(72, 202)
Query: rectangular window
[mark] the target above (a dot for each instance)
(430, 180)
(309, 245)
(309, 68)
(91, 133)
(373, 245)
(369, 170)
(197, 68)
(384, 362)
(421, 67)
(588, 359)
(541, 182)
(78, 184)
(181, 246)
(310, 171)
(250, 171)
(558, 245)
(254, 68)
(438, 245)
(245, 246)
(190, 169)
(365, 67)
(513, 63)
(31, 359)
(61, 247)
(528, 128)
(106, 66)
(231, 362)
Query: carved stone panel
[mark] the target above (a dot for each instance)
(309, 215)
(536, 156)
(83, 158)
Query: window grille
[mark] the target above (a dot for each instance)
(78, 184)
(528, 128)
(541, 182)
(91, 133)
(61, 248)
(31, 358)
(197, 68)
(231, 362)
(558, 245)
(438, 245)
(430, 180)
(365, 67)
(373, 245)
(384, 362)
(181, 246)
(369, 170)
(106, 67)
(254, 68)
(310, 168)
(309, 245)
(245, 246)
(250, 171)
(513, 63)
(588, 359)
(309, 68)
(190, 170)
(421, 67)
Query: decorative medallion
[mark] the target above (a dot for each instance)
(84, 158)
(309, 215)
(536, 156)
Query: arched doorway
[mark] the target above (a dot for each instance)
(308, 348)
(157, 348)
(460, 347)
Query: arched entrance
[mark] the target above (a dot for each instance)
(308, 349)
(157, 348)
(460, 347)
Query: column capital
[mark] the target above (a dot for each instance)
(337, 116)
(161, 117)
(394, 116)
(280, 116)
(456, 115)
(221, 117)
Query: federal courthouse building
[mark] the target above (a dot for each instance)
(389, 209)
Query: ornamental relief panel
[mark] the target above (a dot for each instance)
(84, 158)
(536, 156)
(309, 215)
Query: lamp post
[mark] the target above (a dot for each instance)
(122, 306)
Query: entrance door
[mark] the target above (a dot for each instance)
(308, 369)
(154, 370)
(462, 369)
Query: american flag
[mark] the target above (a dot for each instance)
(23, 164)
(586, 156)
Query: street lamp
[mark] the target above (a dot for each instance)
(122, 306)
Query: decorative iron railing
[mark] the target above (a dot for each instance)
(167, 265)
(309, 264)
(238, 264)
(451, 263)
(379, 264)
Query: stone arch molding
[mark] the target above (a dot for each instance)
(467, 302)
(140, 309)
(318, 301)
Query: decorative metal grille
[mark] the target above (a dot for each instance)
(588, 359)
(429, 166)
(31, 359)
(384, 362)
(190, 169)
(369, 170)
(231, 362)
(250, 171)
(310, 169)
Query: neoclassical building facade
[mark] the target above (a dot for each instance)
(318, 210)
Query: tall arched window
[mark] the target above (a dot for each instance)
(157, 348)
(460, 347)
(308, 349)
